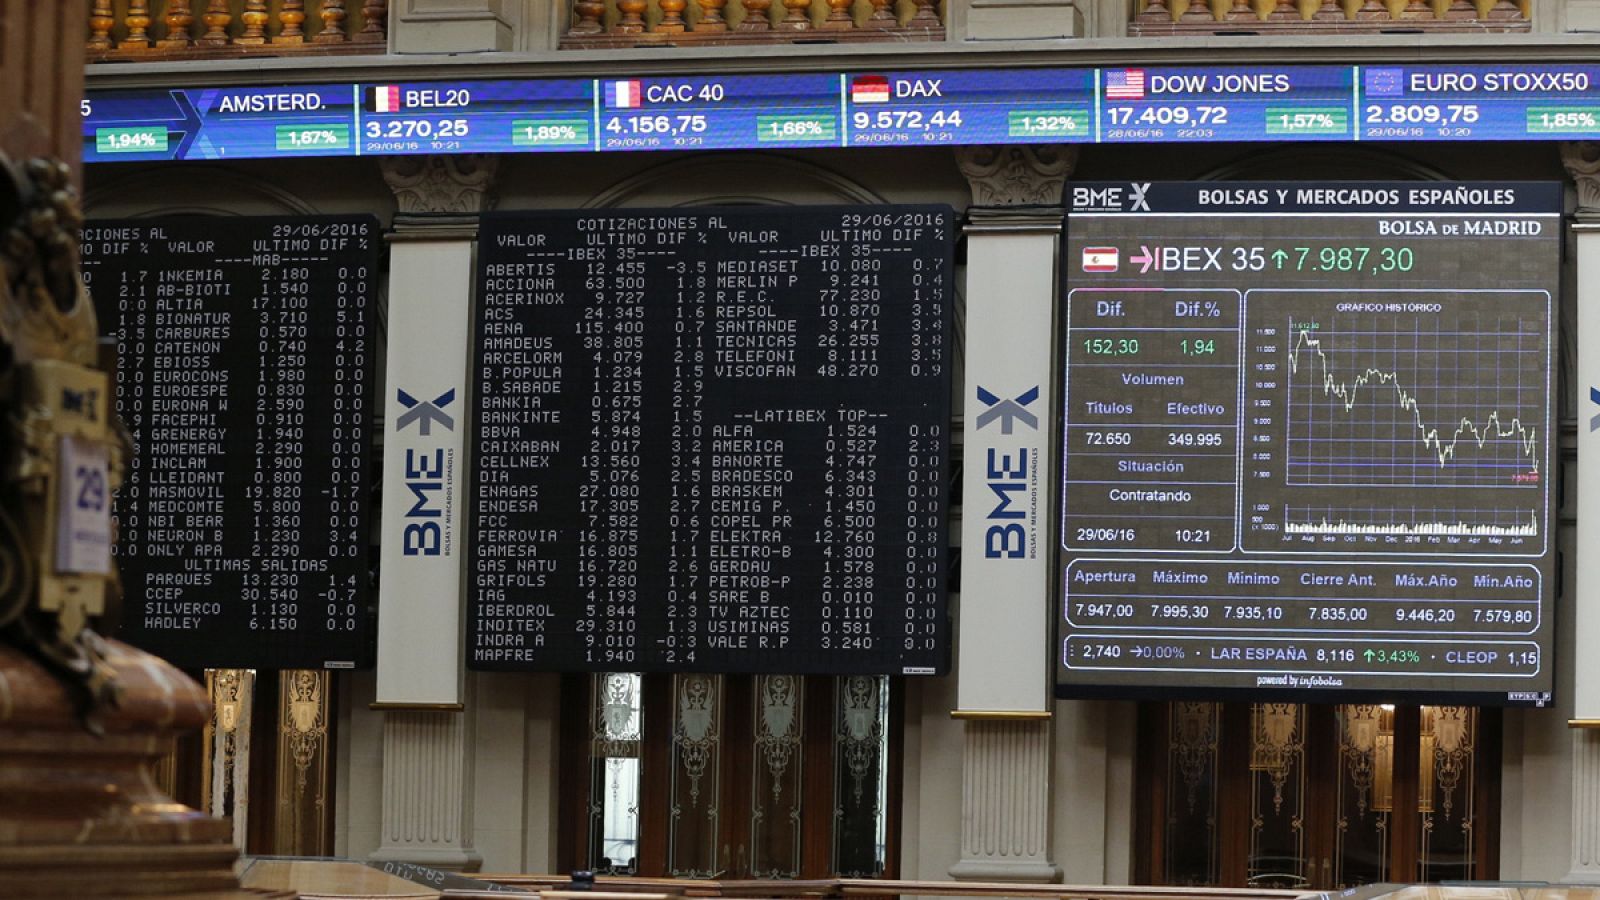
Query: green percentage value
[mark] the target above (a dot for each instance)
(1198, 346)
(1563, 119)
(313, 137)
(1391, 657)
(549, 132)
(143, 139)
(1065, 122)
(1315, 120)
(797, 128)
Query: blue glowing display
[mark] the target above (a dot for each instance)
(851, 109)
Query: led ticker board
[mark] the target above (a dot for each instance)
(475, 117)
(988, 107)
(712, 440)
(220, 123)
(1265, 103)
(686, 113)
(245, 350)
(850, 109)
(1307, 439)
(1464, 103)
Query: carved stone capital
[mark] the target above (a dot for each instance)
(1017, 175)
(1582, 160)
(441, 185)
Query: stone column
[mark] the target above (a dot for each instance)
(1582, 161)
(429, 720)
(1008, 561)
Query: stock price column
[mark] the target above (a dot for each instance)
(712, 440)
(244, 368)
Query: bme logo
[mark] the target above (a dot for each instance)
(426, 413)
(1007, 475)
(427, 472)
(1008, 412)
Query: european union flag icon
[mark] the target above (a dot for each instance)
(1385, 82)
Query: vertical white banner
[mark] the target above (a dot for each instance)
(1007, 555)
(1586, 619)
(424, 474)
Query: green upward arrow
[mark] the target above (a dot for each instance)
(1278, 256)
(1369, 655)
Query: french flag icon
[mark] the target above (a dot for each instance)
(622, 94)
(386, 98)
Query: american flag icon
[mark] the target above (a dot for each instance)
(1125, 84)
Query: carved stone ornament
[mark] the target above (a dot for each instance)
(441, 184)
(1582, 159)
(1017, 175)
(56, 407)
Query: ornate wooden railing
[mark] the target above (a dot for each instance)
(638, 23)
(124, 30)
(1169, 17)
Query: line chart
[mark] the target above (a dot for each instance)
(1418, 400)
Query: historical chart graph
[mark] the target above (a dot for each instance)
(1409, 413)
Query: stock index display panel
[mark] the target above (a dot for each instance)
(1307, 439)
(245, 354)
(712, 440)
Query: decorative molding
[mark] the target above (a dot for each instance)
(1005, 803)
(1585, 807)
(303, 796)
(1017, 175)
(441, 185)
(226, 794)
(1582, 161)
(427, 789)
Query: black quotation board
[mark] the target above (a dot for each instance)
(1308, 440)
(712, 440)
(245, 352)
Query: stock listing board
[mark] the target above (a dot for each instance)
(1307, 439)
(712, 440)
(245, 351)
(1512, 101)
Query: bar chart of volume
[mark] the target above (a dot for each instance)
(1396, 421)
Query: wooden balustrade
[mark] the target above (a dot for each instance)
(129, 30)
(1158, 18)
(635, 23)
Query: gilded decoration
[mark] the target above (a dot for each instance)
(1276, 745)
(305, 719)
(1194, 745)
(696, 732)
